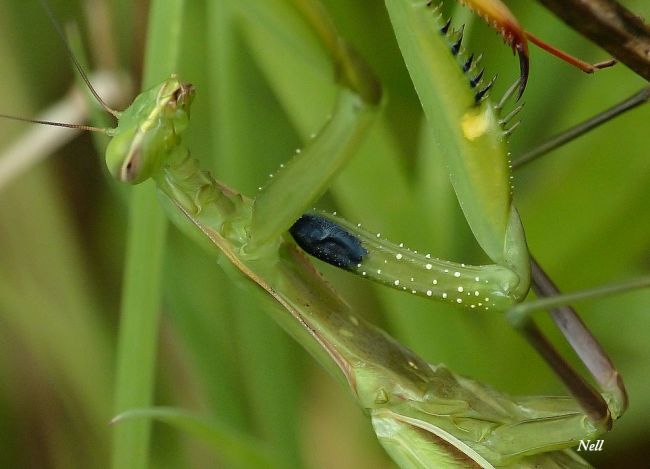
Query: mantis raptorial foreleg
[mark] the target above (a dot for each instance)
(497, 15)
(311, 172)
(470, 127)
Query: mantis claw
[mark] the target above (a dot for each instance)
(498, 16)
(524, 67)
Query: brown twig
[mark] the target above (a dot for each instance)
(611, 26)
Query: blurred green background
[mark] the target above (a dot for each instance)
(260, 92)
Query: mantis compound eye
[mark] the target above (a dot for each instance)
(183, 94)
(127, 157)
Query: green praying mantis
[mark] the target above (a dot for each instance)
(425, 416)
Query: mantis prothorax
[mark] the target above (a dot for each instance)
(424, 415)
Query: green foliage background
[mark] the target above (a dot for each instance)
(260, 93)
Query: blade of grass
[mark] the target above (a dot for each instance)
(238, 96)
(235, 448)
(59, 352)
(146, 238)
(203, 313)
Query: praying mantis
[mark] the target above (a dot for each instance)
(284, 277)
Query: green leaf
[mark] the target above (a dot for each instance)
(234, 448)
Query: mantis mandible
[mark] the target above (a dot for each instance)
(218, 216)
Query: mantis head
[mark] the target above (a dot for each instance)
(149, 130)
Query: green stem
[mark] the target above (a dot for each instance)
(518, 313)
(557, 141)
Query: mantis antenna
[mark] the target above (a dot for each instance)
(84, 77)
(76, 63)
(87, 128)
